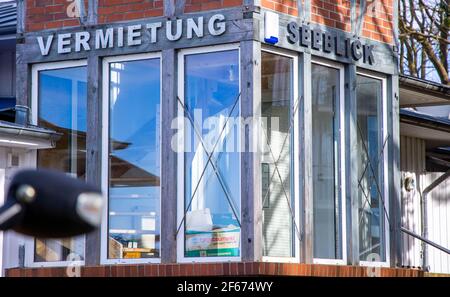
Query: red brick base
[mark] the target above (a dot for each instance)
(215, 269)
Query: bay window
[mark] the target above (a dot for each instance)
(131, 134)
(371, 153)
(209, 182)
(277, 167)
(209, 162)
(59, 104)
(326, 169)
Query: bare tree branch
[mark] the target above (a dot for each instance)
(424, 28)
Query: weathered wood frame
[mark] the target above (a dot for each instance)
(34, 92)
(244, 25)
(340, 111)
(245, 158)
(103, 170)
(384, 166)
(295, 189)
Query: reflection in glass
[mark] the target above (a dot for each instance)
(276, 94)
(62, 108)
(134, 160)
(371, 222)
(325, 132)
(211, 90)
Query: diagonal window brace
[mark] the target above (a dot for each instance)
(210, 160)
(369, 163)
(366, 196)
(276, 160)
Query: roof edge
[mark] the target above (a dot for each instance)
(419, 85)
(423, 120)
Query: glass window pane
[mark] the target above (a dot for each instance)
(325, 132)
(212, 193)
(62, 107)
(370, 164)
(134, 160)
(276, 94)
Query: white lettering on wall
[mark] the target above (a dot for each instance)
(194, 27)
(153, 27)
(170, 36)
(45, 48)
(64, 43)
(120, 37)
(216, 25)
(134, 35)
(81, 40)
(103, 40)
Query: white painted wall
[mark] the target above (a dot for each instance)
(11, 241)
(438, 223)
(413, 164)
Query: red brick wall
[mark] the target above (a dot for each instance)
(332, 13)
(378, 20)
(377, 24)
(283, 6)
(110, 11)
(202, 5)
(216, 269)
(49, 14)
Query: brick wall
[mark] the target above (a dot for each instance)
(378, 18)
(283, 6)
(49, 14)
(332, 13)
(215, 269)
(110, 11)
(202, 5)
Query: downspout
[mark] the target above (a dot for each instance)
(425, 193)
